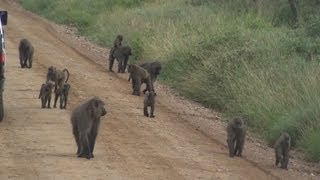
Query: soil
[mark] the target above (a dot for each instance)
(183, 141)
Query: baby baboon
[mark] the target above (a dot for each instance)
(149, 101)
(122, 55)
(282, 148)
(138, 75)
(116, 44)
(25, 53)
(236, 134)
(57, 76)
(63, 93)
(153, 69)
(85, 120)
(45, 94)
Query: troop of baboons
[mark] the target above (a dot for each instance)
(85, 118)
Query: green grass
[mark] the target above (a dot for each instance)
(231, 55)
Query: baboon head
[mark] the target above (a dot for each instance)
(51, 69)
(151, 93)
(96, 108)
(157, 68)
(237, 123)
(48, 86)
(286, 138)
(131, 68)
(119, 37)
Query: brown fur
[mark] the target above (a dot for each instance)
(57, 76)
(149, 101)
(45, 94)
(282, 148)
(85, 120)
(138, 75)
(236, 134)
(25, 53)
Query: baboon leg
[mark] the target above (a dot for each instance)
(30, 59)
(152, 110)
(285, 160)
(93, 136)
(145, 111)
(137, 86)
(231, 146)
(120, 64)
(84, 144)
(65, 102)
(61, 101)
(126, 58)
(76, 137)
(21, 57)
(111, 59)
(278, 156)
(49, 102)
(55, 100)
(241, 145)
(43, 102)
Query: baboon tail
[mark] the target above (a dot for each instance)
(68, 74)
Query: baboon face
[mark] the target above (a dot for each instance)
(151, 94)
(119, 37)
(48, 86)
(98, 106)
(237, 123)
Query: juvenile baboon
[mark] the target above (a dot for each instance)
(25, 53)
(138, 75)
(236, 134)
(85, 120)
(149, 101)
(63, 93)
(116, 44)
(57, 76)
(282, 148)
(45, 94)
(153, 69)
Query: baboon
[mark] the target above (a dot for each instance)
(122, 55)
(282, 148)
(45, 94)
(57, 76)
(153, 69)
(116, 44)
(63, 93)
(149, 101)
(138, 75)
(25, 53)
(85, 120)
(236, 134)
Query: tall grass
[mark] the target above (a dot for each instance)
(232, 55)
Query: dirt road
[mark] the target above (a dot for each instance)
(184, 141)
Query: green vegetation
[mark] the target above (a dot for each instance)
(239, 57)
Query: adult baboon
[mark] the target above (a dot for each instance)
(282, 148)
(63, 93)
(153, 69)
(149, 101)
(138, 75)
(57, 76)
(45, 94)
(122, 55)
(116, 44)
(25, 53)
(236, 134)
(85, 120)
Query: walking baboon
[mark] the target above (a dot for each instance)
(63, 93)
(138, 75)
(45, 94)
(153, 69)
(85, 120)
(57, 76)
(25, 53)
(282, 148)
(122, 55)
(116, 44)
(236, 134)
(149, 101)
